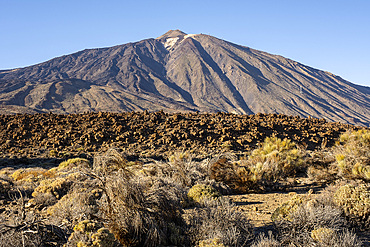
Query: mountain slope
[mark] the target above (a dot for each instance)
(180, 72)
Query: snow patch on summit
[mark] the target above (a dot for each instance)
(189, 35)
(170, 42)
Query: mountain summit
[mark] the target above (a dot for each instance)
(172, 34)
(182, 72)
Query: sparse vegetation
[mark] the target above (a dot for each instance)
(116, 200)
(276, 159)
(305, 220)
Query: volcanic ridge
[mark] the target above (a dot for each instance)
(179, 72)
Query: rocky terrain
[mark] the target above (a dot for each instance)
(182, 72)
(190, 176)
(155, 135)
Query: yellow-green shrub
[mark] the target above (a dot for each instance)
(362, 135)
(32, 174)
(322, 234)
(53, 153)
(90, 233)
(87, 226)
(275, 159)
(200, 192)
(215, 242)
(57, 187)
(354, 200)
(285, 211)
(103, 238)
(74, 162)
(352, 154)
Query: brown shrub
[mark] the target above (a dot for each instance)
(227, 170)
(140, 210)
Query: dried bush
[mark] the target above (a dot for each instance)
(110, 163)
(77, 205)
(304, 221)
(321, 174)
(274, 160)
(266, 241)
(327, 237)
(182, 168)
(225, 169)
(26, 228)
(42, 200)
(20, 239)
(320, 167)
(32, 235)
(140, 210)
(217, 219)
(355, 202)
(352, 154)
(5, 186)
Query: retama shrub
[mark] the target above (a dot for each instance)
(352, 154)
(90, 233)
(355, 202)
(275, 159)
(200, 192)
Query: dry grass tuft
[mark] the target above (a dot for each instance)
(266, 241)
(218, 220)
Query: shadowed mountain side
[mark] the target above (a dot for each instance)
(182, 72)
(271, 83)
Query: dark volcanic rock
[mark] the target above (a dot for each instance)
(154, 134)
(179, 72)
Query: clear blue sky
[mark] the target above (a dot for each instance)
(332, 35)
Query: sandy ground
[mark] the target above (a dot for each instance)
(259, 207)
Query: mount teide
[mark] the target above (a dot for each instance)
(180, 72)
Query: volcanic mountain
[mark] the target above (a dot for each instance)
(182, 72)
